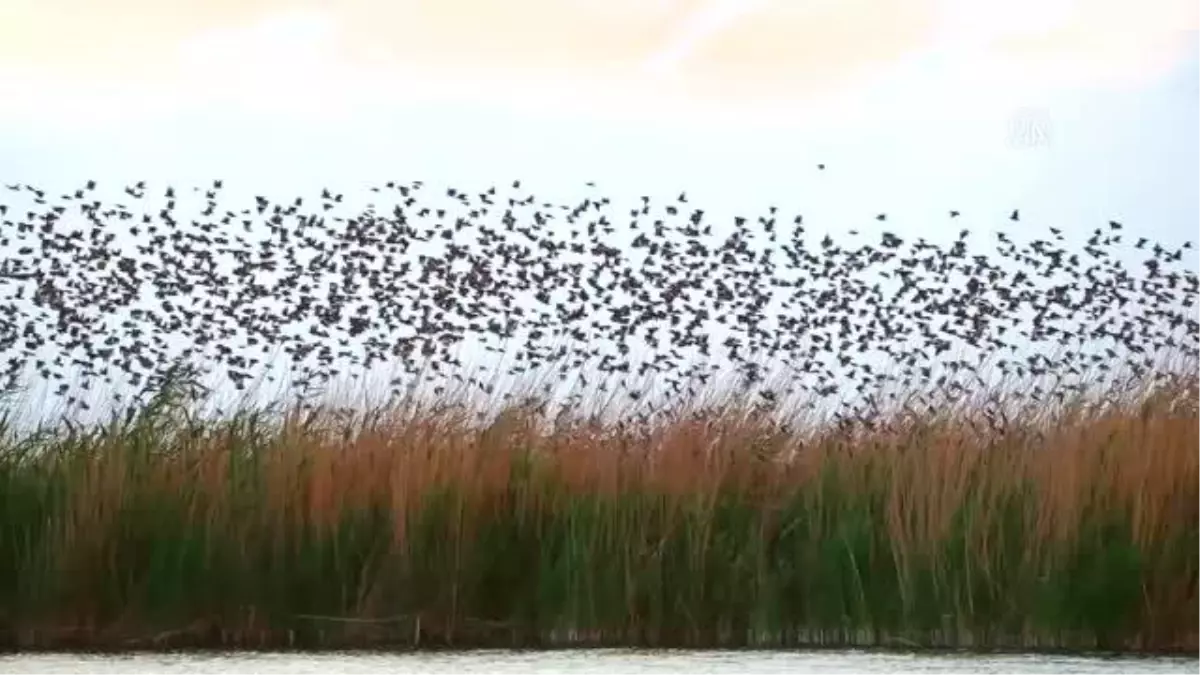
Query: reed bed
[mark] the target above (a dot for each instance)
(417, 526)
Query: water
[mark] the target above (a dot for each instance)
(599, 661)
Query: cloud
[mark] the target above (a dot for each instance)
(1081, 43)
(708, 20)
(765, 61)
(264, 59)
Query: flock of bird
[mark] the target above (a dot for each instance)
(656, 298)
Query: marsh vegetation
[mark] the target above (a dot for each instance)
(908, 445)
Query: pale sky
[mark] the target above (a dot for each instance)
(912, 104)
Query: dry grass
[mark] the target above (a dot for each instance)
(1075, 528)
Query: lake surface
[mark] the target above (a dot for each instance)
(596, 661)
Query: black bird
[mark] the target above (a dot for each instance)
(397, 283)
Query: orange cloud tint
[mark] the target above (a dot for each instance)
(590, 54)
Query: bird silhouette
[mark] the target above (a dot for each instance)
(98, 291)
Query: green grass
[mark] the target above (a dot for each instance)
(1070, 531)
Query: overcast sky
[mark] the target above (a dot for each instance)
(1074, 111)
(911, 103)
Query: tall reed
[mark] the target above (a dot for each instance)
(416, 526)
